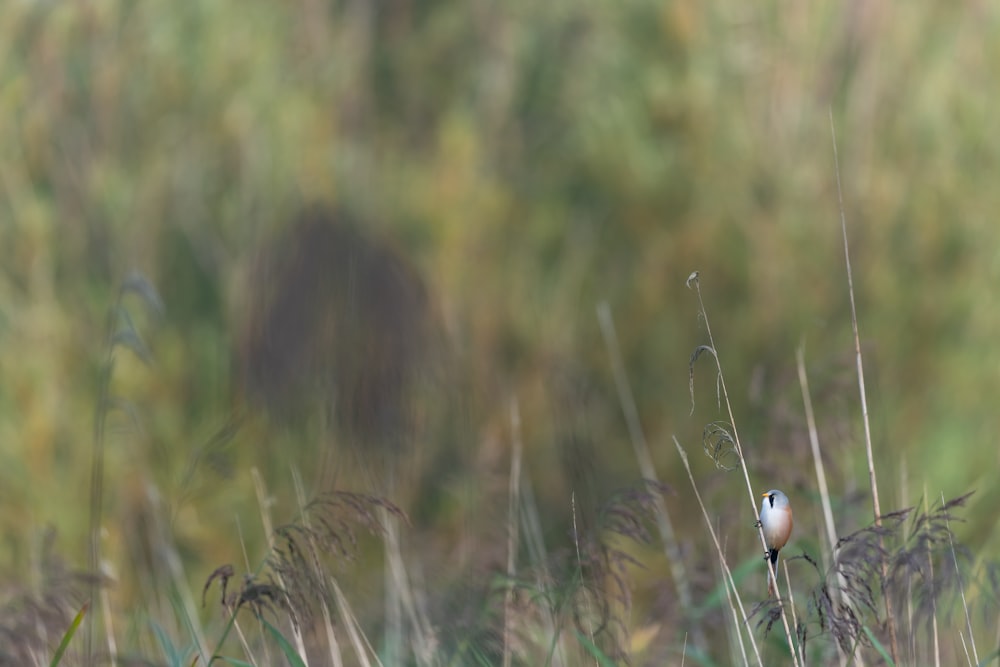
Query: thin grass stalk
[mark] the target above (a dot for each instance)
(362, 647)
(263, 502)
(904, 501)
(640, 447)
(795, 619)
(961, 588)
(722, 557)
(264, 507)
(872, 478)
(824, 491)
(233, 620)
(535, 545)
(693, 279)
(934, 624)
(737, 624)
(109, 628)
(423, 635)
(513, 526)
(243, 641)
(418, 594)
(579, 562)
(393, 633)
(965, 648)
(911, 643)
(331, 637)
(336, 659)
(243, 544)
(97, 479)
(167, 554)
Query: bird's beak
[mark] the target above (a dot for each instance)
(763, 495)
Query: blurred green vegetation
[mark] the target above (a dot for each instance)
(529, 160)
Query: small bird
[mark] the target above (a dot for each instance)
(776, 521)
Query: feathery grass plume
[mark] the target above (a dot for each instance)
(260, 596)
(916, 548)
(300, 553)
(294, 577)
(603, 565)
(585, 587)
(222, 574)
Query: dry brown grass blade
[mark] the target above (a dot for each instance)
(872, 478)
(579, 561)
(824, 491)
(718, 549)
(336, 659)
(961, 590)
(264, 503)
(513, 527)
(934, 623)
(795, 618)
(737, 622)
(362, 647)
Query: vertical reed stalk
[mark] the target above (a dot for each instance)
(873, 480)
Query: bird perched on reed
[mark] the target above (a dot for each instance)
(776, 522)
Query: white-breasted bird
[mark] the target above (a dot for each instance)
(776, 522)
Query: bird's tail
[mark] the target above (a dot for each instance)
(771, 592)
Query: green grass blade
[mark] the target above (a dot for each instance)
(286, 647)
(173, 655)
(989, 658)
(69, 634)
(594, 651)
(878, 646)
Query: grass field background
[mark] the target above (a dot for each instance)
(503, 169)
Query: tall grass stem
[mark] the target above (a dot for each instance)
(718, 549)
(872, 478)
(772, 573)
(513, 527)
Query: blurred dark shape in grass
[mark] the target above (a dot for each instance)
(339, 324)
